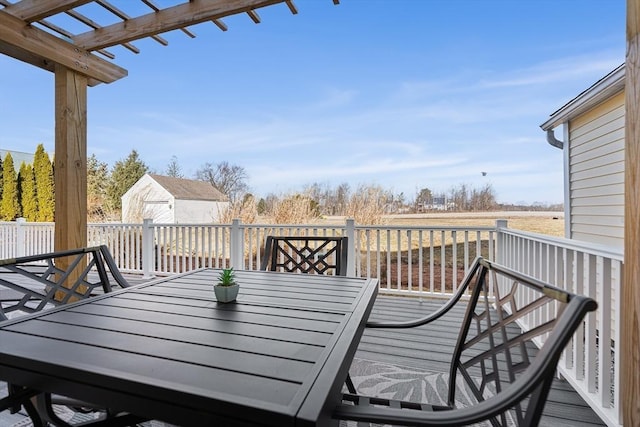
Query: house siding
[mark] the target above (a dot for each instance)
(147, 199)
(596, 179)
(198, 211)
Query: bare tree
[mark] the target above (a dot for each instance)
(173, 168)
(341, 199)
(245, 209)
(466, 198)
(229, 179)
(483, 199)
(423, 199)
(367, 204)
(295, 209)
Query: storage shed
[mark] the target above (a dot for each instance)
(170, 200)
(593, 132)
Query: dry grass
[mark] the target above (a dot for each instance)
(549, 223)
(552, 225)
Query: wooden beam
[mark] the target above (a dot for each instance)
(120, 14)
(254, 16)
(182, 15)
(70, 171)
(630, 295)
(156, 8)
(292, 7)
(26, 42)
(220, 24)
(35, 10)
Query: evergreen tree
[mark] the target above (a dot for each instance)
(9, 207)
(45, 192)
(97, 182)
(27, 190)
(125, 173)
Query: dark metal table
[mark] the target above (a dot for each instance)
(167, 350)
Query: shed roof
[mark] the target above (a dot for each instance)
(189, 189)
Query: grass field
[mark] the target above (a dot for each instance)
(551, 223)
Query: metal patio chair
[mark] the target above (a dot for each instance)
(306, 254)
(509, 383)
(34, 283)
(30, 284)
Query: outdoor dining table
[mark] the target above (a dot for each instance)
(167, 350)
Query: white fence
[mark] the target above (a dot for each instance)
(424, 261)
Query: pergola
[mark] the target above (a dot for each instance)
(82, 59)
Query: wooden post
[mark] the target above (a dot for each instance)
(70, 166)
(630, 295)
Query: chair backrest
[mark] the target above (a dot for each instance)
(493, 351)
(300, 254)
(32, 283)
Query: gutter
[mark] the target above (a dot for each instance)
(551, 139)
(600, 91)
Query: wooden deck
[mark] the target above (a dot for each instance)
(431, 348)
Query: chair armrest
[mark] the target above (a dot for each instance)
(113, 268)
(436, 314)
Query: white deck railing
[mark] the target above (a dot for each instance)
(589, 362)
(423, 261)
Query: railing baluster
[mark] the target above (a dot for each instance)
(591, 330)
(431, 263)
(454, 260)
(443, 262)
(420, 263)
(409, 262)
(604, 333)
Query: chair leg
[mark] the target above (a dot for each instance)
(350, 386)
(33, 413)
(45, 407)
(21, 396)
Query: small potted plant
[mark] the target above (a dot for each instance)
(226, 289)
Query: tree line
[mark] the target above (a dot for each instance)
(30, 193)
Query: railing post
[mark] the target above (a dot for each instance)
(500, 241)
(20, 237)
(352, 253)
(147, 248)
(236, 242)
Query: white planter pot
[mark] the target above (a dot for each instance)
(226, 293)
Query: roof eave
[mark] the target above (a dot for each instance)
(602, 90)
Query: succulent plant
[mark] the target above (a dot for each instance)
(227, 277)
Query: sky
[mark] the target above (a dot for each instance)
(404, 94)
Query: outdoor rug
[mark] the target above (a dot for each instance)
(370, 378)
(406, 383)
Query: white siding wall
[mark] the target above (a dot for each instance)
(596, 174)
(198, 211)
(147, 199)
